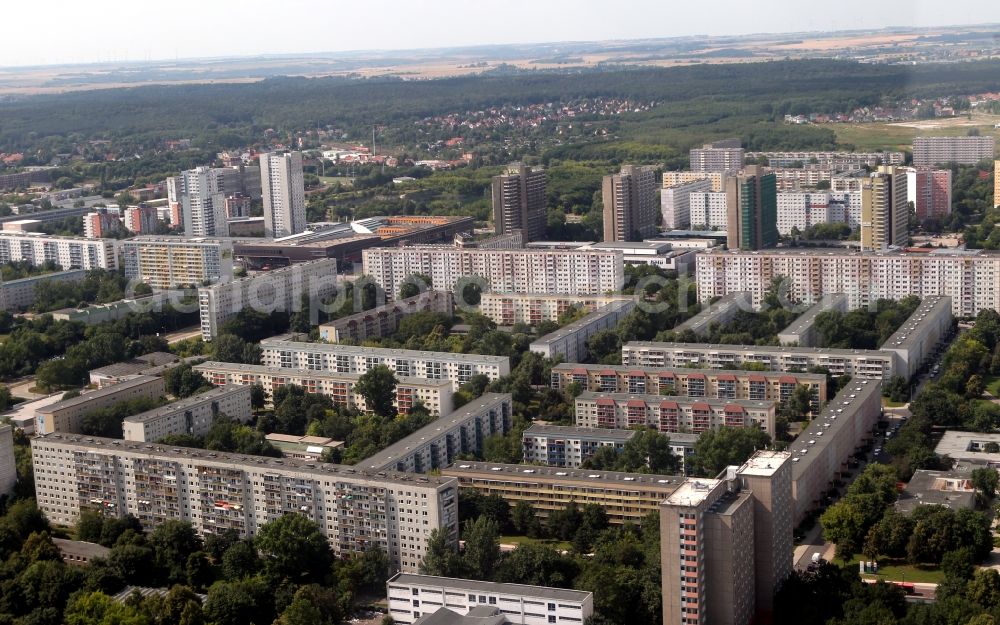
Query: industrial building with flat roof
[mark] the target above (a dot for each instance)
(67, 415)
(192, 415)
(569, 342)
(355, 510)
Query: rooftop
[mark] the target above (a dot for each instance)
(764, 462)
(678, 399)
(44, 276)
(188, 402)
(802, 323)
(834, 251)
(136, 365)
(692, 492)
(571, 431)
(572, 366)
(581, 323)
(969, 446)
(522, 590)
(770, 349)
(284, 342)
(952, 489)
(838, 414)
(559, 474)
(234, 367)
(101, 392)
(931, 305)
(700, 322)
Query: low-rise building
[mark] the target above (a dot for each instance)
(78, 552)
(506, 309)
(112, 311)
(414, 596)
(67, 415)
(355, 510)
(951, 489)
(192, 415)
(436, 445)
(570, 341)
(978, 447)
(19, 295)
(435, 395)
(672, 414)
(115, 373)
(384, 320)
(654, 252)
(302, 447)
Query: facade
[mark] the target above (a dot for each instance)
(120, 371)
(654, 252)
(384, 320)
(217, 491)
(971, 278)
(141, 219)
(708, 209)
(278, 290)
(864, 363)
(567, 446)
(67, 415)
(687, 382)
(996, 183)
(930, 151)
(435, 395)
(926, 330)
(578, 272)
(570, 341)
(930, 191)
(626, 497)
(192, 415)
(413, 596)
(752, 210)
(8, 463)
(18, 295)
(436, 445)
(840, 161)
(167, 262)
(100, 224)
(716, 178)
(801, 211)
(885, 215)
(519, 202)
(675, 201)
(67, 252)
(283, 191)
(719, 156)
(99, 313)
(821, 452)
(200, 197)
(802, 331)
(629, 204)
(720, 312)
(459, 368)
(506, 309)
(672, 414)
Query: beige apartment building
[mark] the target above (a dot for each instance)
(885, 215)
(192, 415)
(519, 202)
(506, 309)
(215, 491)
(629, 204)
(675, 178)
(435, 395)
(67, 415)
(167, 262)
(384, 320)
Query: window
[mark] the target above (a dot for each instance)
(552, 618)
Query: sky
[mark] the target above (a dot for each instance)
(41, 32)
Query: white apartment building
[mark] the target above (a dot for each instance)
(458, 368)
(863, 363)
(217, 491)
(200, 194)
(192, 415)
(67, 415)
(801, 211)
(8, 463)
(277, 290)
(437, 445)
(675, 201)
(435, 395)
(971, 278)
(708, 210)
(36, 248)
(414, 596)
(919, 336)
(929, 151)
(675, 178)
(167, 262)
(283, 190)
(833, 160)
(672, 414)
(568, 446)
(584, 272)
(570, 342)
(18, 295)
(506, 309)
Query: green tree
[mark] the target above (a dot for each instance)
(293, 547)
(985, 480)
(441, 558)
(525, 520)
(720, 447)
(378, 387)
(313, 605)
(482, 548)
(844, 525)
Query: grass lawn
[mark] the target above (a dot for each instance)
(892, 404)
(993, 385)
(900, 571)
(876, 136)
(558, 545)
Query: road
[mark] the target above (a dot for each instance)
(181, 335)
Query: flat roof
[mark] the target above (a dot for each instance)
(772, 349)
(679, 399)
(571, 366)
(807, 319)
(723, 306)
(188, 402)
(935, 488)
(837, 251)
(649, 245)
(432, 431)
(281, 342)
(961, 446)
(607, 309)
(524, 590)
(692, 492)
(538, 429)
(112, 389)
(242, 461)
(765, 462)
(838, 414)
(603, 479)
(909, 332)
(312, 373)
(45, 276)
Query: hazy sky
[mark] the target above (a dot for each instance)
(74, 31)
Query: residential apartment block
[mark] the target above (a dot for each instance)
(921, 334)
(459, 368)
(201, 198)
(672, 414)
(277, 290)
(412, 596)
(719, 156)
(67, 415)
(436, 445)
(567, 446)
(675, 201)
(885, 216)
(930, 191)
(101, 224)
(752, 210)
(629, 204)
(687, 382)
(283, 192)
(971, 278)
(719, 312)
(626, 497)
(996, 183)
(18, 295)
(435, 395)
(36, 249)
(708, 209)
(141, 219)
(802, 331)
(863, 363)
(506, 309)
(519, 202)
(929, 151)
(580, 272)
(570, 341)
(716, 178)
(217, 491)
(8, 462)
(192, 415)
(167, 262)
(384, 320)
(839, 161)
